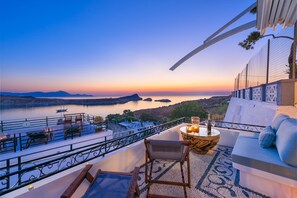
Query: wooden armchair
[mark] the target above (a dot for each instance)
(79, 120)
(106, 184)
(167, 150)
(68, 120)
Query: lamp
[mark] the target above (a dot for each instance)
(195, 123)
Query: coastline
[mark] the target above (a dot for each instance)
(27, 101)
(43, 110)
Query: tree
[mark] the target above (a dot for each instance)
(128, 115)
(114, 118)
(255, 36)
(146, 117)
(188, 109)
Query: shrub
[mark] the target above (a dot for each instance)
(146, 117)
(188, 109)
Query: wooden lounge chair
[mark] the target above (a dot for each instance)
(167, 150)
(71, 130)
(106, 184)
(41, 135)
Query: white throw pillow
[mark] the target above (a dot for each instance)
(278, 120)
(286, 141)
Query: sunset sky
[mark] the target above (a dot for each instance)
(107, 47)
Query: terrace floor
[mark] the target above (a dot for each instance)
(212, 175)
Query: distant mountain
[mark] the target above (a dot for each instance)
(45, 94)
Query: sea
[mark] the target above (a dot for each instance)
(101, 110)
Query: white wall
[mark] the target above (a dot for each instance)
(254, 112)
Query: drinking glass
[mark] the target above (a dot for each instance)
(213, 123)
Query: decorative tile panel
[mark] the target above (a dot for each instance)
(241, 93)
(257, 93)
(271, 93)
(247, 94)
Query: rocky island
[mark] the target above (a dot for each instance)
(163, 100)
(29, 101)
(148, 99)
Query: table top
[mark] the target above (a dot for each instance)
(4, 136)
(202, 132)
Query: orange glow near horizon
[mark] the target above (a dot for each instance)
(149, 85)
(157, 89)
(122, 90)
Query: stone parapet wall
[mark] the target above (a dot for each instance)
(282, 92)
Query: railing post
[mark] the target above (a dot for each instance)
(46, 120)
(294, 52)
(268, 54)
(105, 146)
(238, 80)
(2, 126)
(19, 169)
(14, 143)
(7, 172)
(71, 147)
(20, 138)
(246, 75)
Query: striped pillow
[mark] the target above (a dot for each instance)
(267, 137)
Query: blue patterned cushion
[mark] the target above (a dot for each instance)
(278, 120)
(266, 137)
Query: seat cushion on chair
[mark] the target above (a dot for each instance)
(286, 141)
(166, 149)
(109, 185)
(278, 120)
(266, 137)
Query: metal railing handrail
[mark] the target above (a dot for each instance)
(57, 147)
(16, 124)
(70, 145)
(240, 126)
(61, 163)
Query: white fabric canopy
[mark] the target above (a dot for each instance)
(273, 12)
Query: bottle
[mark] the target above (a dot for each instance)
(208, 124)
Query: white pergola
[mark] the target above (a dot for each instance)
(270, 13)
(273, 12)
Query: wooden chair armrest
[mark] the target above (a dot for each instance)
(78, 180)
(186, 143)
(133, 182)
(185, 154)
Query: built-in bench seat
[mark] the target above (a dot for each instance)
(262, 168)
(248, 152)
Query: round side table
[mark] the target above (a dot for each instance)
(201, 142)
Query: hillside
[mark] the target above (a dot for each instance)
(214, 105)
(45, 94)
